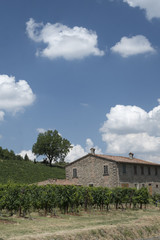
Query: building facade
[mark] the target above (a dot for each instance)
(113, 171)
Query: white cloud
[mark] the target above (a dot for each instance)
(78, 151)
(132, 129)
(134, 142)
(151, 7)
(41, 130)
(2, 115)
(90, 144)
(62, 41)
(150, 157)
(29, 154)
(133, 46)
(14, 96)
(84, 104)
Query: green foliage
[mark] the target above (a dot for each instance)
(26, 198)
(102, 197)
(156, 199)
(87, 197)
(27, 172)
(10, 199)
(52, 145)
(118, 196)
(141, 197)
(46, 198)
(7, 155)
(130, 196)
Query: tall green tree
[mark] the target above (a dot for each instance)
(26, 158)
(52, 145)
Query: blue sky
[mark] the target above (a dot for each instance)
(90, 69)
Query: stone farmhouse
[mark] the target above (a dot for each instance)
(113, 171)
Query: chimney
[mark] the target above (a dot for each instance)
(92, 150)
(131, 155)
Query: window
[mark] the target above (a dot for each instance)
(156, 185)
(143, 185)
(91, 185)
(124, 168)
(135, 170)
(156, 171)
(142, 170)
(105, 170)
(74, 172)
(149, 171)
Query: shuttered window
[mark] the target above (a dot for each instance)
(156, 171)
(74, 172)
(149, 171)
(135, 170)
(142, 170)
(105, 170)
(124, 168)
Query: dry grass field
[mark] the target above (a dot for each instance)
(112, 225)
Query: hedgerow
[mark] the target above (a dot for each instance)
(24, 199)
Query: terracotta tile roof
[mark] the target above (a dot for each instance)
(55, 182)
(126, 159)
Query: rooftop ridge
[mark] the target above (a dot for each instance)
(126, 159)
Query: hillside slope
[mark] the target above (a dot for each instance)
(27, 172)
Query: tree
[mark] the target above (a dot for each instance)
(6, 154)
(19, 157)
(12, 155)
(52, 145)
(26, 158)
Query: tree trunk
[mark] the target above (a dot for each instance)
(50, 161)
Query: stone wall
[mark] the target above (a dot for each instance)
(90, 171)
(130, 179)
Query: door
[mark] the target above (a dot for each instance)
(150, 189)
(124, 185)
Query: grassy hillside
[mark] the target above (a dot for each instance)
(27, 172)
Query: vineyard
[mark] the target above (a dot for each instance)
(27, 172)
(49, 199)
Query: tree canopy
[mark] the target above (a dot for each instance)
(52, 145)
(9, 155)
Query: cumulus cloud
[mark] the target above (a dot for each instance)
(41, 130)
(132, 129)
(14, 96)
(151, 7)
(150, 157)
(90, 144)
(78, 151)
(62, 41)
(29, 154)
(133, 46)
